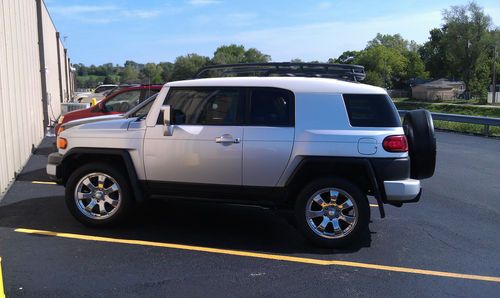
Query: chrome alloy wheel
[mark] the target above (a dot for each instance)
(97, 196)
(331, 213)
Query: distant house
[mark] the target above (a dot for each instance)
(490, 94)
(442, 89)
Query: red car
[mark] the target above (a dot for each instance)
(116, 103)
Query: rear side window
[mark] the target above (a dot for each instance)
(371, 110)
(271, 107)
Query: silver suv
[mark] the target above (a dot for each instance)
(318, 146)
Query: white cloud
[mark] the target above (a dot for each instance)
(203, 2)
(142, 14)
(81, 9)
(325, 5)
(241, 19)
(320, 41)
(324, 40)
(93, 14)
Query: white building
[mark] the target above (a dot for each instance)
(35, 77)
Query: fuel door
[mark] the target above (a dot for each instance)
(367, 146)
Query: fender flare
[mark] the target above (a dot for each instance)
(364, 163)
(75, 153)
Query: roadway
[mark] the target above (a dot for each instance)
(445, 245)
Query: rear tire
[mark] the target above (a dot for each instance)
(98, 194)
(332, 212)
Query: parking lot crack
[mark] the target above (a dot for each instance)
(444, 242)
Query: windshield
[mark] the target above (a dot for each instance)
(116, 89)
(103, 88)
(124, 101)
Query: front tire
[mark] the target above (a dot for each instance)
(332, 212)
(98, 194)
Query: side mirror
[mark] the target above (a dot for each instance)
(168, 128)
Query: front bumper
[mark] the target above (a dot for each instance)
(54, 167)
(403, 191)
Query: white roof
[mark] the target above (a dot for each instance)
(294, 84)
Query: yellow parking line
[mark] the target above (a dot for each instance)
(2, 292)
(43, 182)
(262, 255)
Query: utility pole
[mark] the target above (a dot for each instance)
(494, 83)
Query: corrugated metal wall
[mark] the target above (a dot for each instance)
(51, 65)
(21, 96)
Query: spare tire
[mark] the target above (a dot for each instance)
(419, 130)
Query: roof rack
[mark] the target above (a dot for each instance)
(290, 69)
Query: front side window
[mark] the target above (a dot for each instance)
(123, 102)
(205, 106)
(271, 107)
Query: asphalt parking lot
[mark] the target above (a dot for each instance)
(445, 245)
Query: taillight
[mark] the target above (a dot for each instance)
(395, 143)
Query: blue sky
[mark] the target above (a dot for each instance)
(101, 31)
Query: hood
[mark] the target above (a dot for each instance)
(78, 114)
(112, 128)
(91, 119)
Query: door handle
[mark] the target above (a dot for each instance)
(227, 139)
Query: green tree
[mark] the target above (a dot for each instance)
(396, 42)
(233, 54)
(185, 67)
(387, 63)
(167, 69)
(151, 74)
(390, 61)
(466, 42)
(229, 54)
(433, 55)
(130, 74)
(254, 55)
(346, 57)
(373, 78)
(415, 67)
(111, 79)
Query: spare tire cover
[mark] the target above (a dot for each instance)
(419, 130)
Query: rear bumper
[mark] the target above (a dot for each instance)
(403, 191)
(54, 167)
